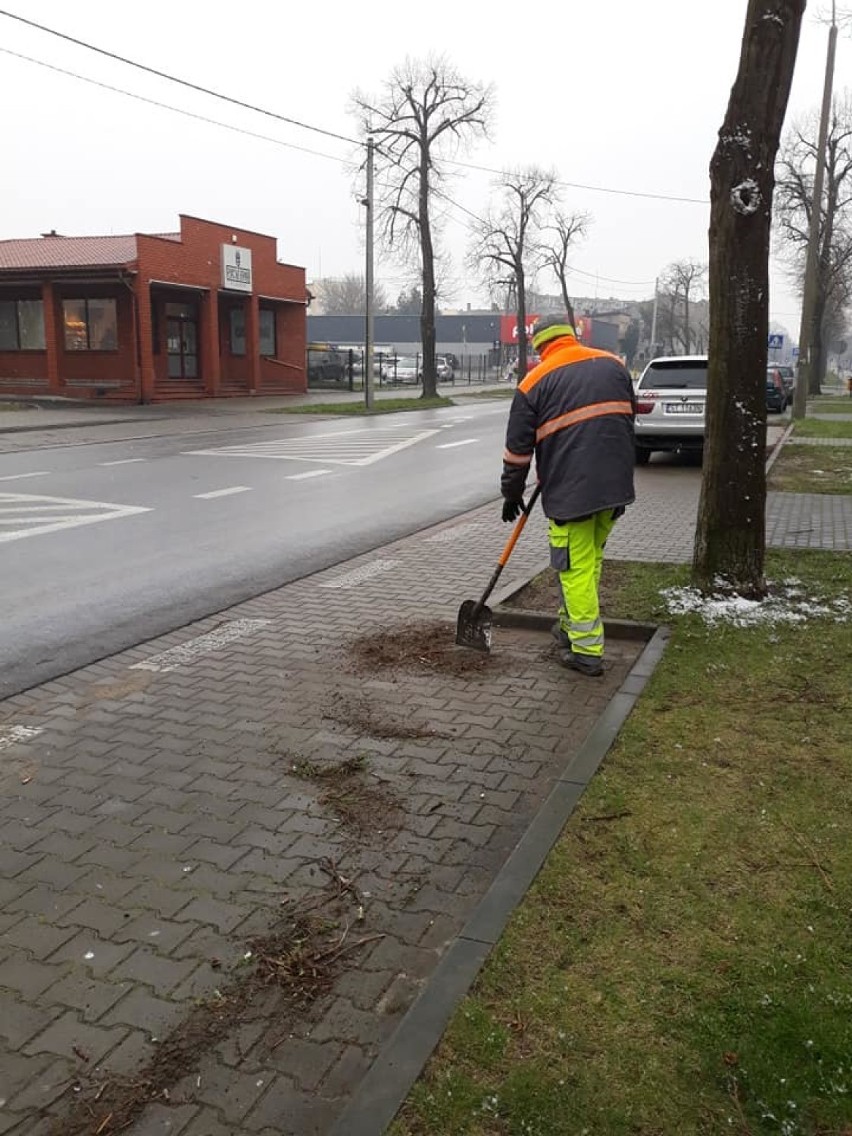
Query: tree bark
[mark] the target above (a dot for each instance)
(730, 542)
(520, 277)
(427, 313)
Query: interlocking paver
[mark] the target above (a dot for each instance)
(180, 829)
(70, 1031)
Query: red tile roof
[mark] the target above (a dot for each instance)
(70, 252)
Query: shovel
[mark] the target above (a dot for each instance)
(473, 628)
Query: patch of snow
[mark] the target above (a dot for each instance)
(788, 604)
(773, 17)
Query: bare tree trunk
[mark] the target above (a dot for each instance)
(730, 540)
(566, 300)
(427, 311)
(522, 321)
(686, 320)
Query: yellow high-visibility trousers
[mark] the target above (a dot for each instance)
(576, 552)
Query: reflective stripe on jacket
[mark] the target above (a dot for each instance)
(574, 412)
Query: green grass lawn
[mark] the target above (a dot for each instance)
(380, 406)
(839, 405)
(683, 964)
(813, 469)
(818, 428)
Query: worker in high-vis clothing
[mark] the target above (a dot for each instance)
(574, 413)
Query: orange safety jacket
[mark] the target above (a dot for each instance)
(574, 412)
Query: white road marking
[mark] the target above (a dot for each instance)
(62, 513)
(222, 492)
(309, 473)
(202, 645)
(124, 461)
(21, 476)
(19, 734)
(360, 447)
(452, 445)
(359, 575)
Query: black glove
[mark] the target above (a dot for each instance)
(512, 510)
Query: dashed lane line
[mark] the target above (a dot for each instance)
(309, 473)
(222, 492)
(452, 445)
(124, 461)
(21, 476)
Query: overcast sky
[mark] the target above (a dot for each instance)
(614, 94)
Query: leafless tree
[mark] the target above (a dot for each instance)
(686, 282)
(557, 240)
(506, 240)
(347, 295)
(730, 541)
(795, 178)
(425, 114)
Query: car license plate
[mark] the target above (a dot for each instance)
(684, 408)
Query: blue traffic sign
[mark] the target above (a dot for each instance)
(776, 342)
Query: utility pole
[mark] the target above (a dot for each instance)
(653, 344)
(368, 281)
(806, 332)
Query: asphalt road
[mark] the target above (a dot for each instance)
(107, 544)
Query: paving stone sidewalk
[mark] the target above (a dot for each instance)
(153, 821)
(152, 824)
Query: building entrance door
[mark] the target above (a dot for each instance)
(182, 340)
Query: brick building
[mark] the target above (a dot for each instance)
(205, 312)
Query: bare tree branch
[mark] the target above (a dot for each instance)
(427, 113)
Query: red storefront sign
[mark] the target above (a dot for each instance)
(509, 329)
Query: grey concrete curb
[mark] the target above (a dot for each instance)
(390, 1078)
(64, 425)
(776, 450)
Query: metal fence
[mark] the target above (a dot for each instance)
(329, 368)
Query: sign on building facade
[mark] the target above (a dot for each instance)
(236, 268)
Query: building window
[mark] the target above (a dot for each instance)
(21, 325)
(267, 333)
(238, 331)
(90, 325)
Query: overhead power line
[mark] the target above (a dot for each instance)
(174, 109)
(175, 79)
(592, 188)
(318, 129)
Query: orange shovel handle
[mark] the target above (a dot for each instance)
(519, 528)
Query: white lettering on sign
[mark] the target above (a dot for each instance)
(236, 268)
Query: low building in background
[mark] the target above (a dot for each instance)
(206, 312)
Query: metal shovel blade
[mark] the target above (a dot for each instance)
(473, 628)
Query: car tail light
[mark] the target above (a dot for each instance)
(644, 407)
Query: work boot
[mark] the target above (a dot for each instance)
(590, 665)
(561, 637)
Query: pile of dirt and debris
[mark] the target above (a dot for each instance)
(298, 959)
(361, 803)
(428, 647)
(362, 717)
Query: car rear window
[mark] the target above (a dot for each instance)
(672, 374)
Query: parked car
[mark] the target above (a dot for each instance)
(326, 366)
(670, 395)
(776, 391)
(446, 374)
(405, 369)
(788, 376)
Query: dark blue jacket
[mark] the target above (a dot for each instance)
(574, 412)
